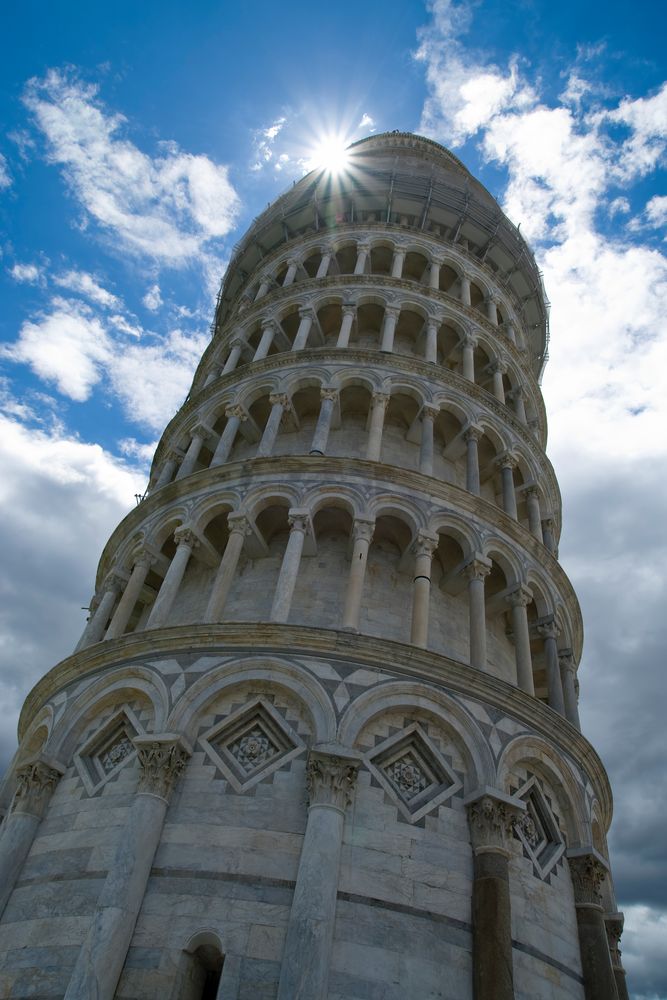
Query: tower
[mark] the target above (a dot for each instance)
(319, 738)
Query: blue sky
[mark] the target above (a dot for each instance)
(136, 144)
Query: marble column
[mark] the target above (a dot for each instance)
(472, 437)
(492, 311)
(397, 263)
(142, 563)
(321, 435)
(498, 370)
(363, 249)
(168, 469)
(534, 515)
(475, 573)
(304, 974)
(588, 873)
(378, 407)
(290, 274)
(389, 329)
(348, 314)
(214, 373)
(491, 820)
(431, 343)
(519, 404)
(279, 403)
(510, 332)
(323, 268)
(234, 355)
(468, 345)
(519, 601)
(265, 284)
(614, 926)
(568, 673)
(307, 317)
(362, 534)
(186, 542)
(199, 435)
(424, 548)
(465, 290)
(264, 346)
(299, 523)
(507, 464)
(239, 529)
(549, 633)
(35, 783)
(548, 534)
(235, 415)
(428, 416)
(99, 617)
(434, 273)
(162, 759)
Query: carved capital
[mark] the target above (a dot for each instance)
(507, 461)
(35, 782)
(425, 544)
(330, 394)
(238, 524)
(380, 398)
(429, 412)
(491, 822)
(280, 399)
(588, 874)
(473, 433)
(113, 581)
(173, 455)
(531, 493)
(548, 629)
(268, 324)
(299, 520)
(613, 923)
(393, 312)
(186, 536)
(468, 340)
(238, 342)
(520, 598)
(307, 312)
(478, 568)
(363, 529)
(331, 778)
(162, 759)
(144, 557)
(236, 410)
(566, 660)
(498, 368)
(349, 310)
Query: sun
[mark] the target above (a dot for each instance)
(330, 154)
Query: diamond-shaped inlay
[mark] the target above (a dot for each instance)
(538, 829)
(414, 772)
(108, 750)
(251, 743)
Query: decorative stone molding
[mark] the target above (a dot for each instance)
(507, 461)
(491, 821)
(35, 782)
(330, 394)
(425, 544)
(613, 923)
(478, 568)
(186, 536)
(520, 598)
(587, 873)
(363, 529)
(330, 778)
(239, 523)
(163, 758)
(380, 399)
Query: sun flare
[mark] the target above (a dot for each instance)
(330, 154)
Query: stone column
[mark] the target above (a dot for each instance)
(511, 333)
(492, 311)
(168, 469)
(468, 345)
(472, 437)
(142, 563)
(162, 759)
(234, 356)
(35, 782)
(549, 632)
(434, 273)
(363, 249)
(428, 415)
(289, 570)
(306, 316)
(475, 573)
(507, 464)
(264, 346)
(323, 268)
(548, 534)
(465, 290)
(519, 404)
(265, 284)
(235, 414)
(305, 967)
(214, 373)
(321, 435)
(498, 370)
(99, 617)
(374, 446)
(490, 820)
(186, 542)
(199, 435)
(362, 535)
(349, 312)
(614, 927)
(239, 529)
(431, 346)
(519, 601)
(424, 548)
(568, 673)
(389, 329)
(534, 515)
(279, 403)
(290, 274)
(397, 263)
(587, 874)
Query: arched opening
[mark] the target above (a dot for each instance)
(350, 438)
(448, 279)
(416, 267)
(201, 972)
(477, 297)
(251, 594)
(501, 659)
(408, 338)
(296, 437)
(381, 259)
(311, 263)
(319, 594)
(330, 317)
(346, 258)
(449, 353)
(449, 448)
(448, 616)
(399, 446)
(369, 325)
(387, 592)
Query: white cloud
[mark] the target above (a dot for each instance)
(167, 208)
(5, 177)
(87, 285)
(28, 274)
(366, 122)
(656, 210)
(152, 300)
(263, 141)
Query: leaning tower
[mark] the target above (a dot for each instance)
(319, 738)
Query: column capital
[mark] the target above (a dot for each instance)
(236, 410)
(518, 392)
(588, 873)
(532, 491)
(507, 461)
(328, 393)
(349, 309)
(306, 312)
(429, 411)
(491, 818)
(293, 260)
(566, 660)
(477, 568)
(143, 556)
(268, 323)
(186, 536)
(473, 433)
(114, 580)
(162, 757)
(380, 398)
(238, 523)
(399, 250)
(468, 340)
(280, 398)
(201, 430)
(499, 366)
(520, 597)
(35, 782)
(548, 629)
(299, 519)
(436, 258)
(331, 777)
(363, 244)
(613, 923)
(392, 311)
(425, 543)
(173, 455)
(363, 528)
(239, 341)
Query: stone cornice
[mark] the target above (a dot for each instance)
(406, 660)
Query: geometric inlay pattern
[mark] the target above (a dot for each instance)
(251, 743)
(414, 772)
(538, 830)
(108, 750)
